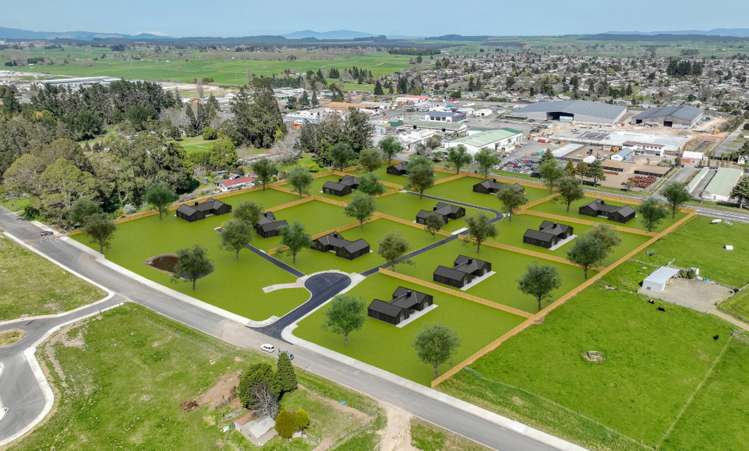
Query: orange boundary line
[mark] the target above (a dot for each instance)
(633, 231)
(528, 252)
(559, 302)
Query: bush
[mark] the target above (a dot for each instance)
(209, 134)
(287, 423)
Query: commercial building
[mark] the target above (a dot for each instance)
(445, 116)
(720, 187)
(572, 110)
(501, 140)
(681, 116)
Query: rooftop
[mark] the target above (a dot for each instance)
(483, 139)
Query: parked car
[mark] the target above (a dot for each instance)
(267, 347)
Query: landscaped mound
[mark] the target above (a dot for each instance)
(165, 262)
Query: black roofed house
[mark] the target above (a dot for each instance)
(334, 242)
(488, 187)
(268, 226)
(446, 211)
(548, 235)
(201, 210)
(342, 187)
(464, 271)
(404, 303)
(612, 212)
(398, 169)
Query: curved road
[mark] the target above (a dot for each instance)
(25, 401)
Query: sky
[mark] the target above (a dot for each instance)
(391, 17)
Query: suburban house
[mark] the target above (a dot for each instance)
(398, 169)
(201, 210)
(268, 226)
(342, 187)
(236, 184)
(599, 208)
(334, 242)
(446, 211)
(404, 303)
(548, 235)
(488, 187)
(464, 271)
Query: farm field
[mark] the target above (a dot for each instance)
(106, 404)
(406, 206)
(462, 190)
(391, 348)
(502, 287)
(52, 289)
(235, 285)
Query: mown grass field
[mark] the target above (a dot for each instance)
(315, 216)
(406, 206)
(50, 290)
(462, 190)
(196, 144)
(121, 379)
(427, 437)
(234, 285)
(401, 180)
(502, 287)
(391, 348)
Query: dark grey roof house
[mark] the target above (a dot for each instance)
(548, 234)
(464, 271)
(334, 242)
(612, 212)
(446, 211)
(268, 226)
(404, 303)
(342, 187)
(488, 187)
(201, 210)
(398, 169)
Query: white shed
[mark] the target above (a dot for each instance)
(658, 279)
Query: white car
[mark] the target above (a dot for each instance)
(267, 347)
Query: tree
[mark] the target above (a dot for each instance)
(378, 89)
(606, 236)
(550, 172)
(435, 345)
(420, 174)
(480, 228)
(257, 117)
(651, 213)
(256, 376)
(344, 316)
(392, 247)
(390, 146)
(370, 184)
(741, 191)
(223, 155)
(265, 170)
(100, 227)
(512, 197)
(341, 155)
(539, 282)
(361, 207)
(676, 194)
(82, 209)
(570, 190)
(593, 247)
(595, 171)
(159, 196)
(370, 159)
(300, 179)
(285, 373)
(248, 212)
(459, 157)
(235, 236)
(62, 183)
(433, 223)
(486, 159)
(193, 264)
(295, 238)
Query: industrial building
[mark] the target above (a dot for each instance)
(682, 116)
(501, 140)
(572, 110)
(720, 187)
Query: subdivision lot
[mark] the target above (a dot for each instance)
(653, 362)
(103, 403)
(502, 287)
(311, 261)
(391, 348)
(30, 285)
(315, 216)
(235, 284)
(406, 206)
(401, 180)
(462, 190)
(511, 232)
(557, 207)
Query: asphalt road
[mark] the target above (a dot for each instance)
(18, 387)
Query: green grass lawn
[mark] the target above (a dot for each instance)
(462, 190)
(312, 261)
(315, 216)
(700, 243)
(391, 348)
(511, 232)
(51, 289)
(653, 362)
(235, 285)
(401, 180)
(196, 144)
(121, 380)
(737, 305)
(406, 206)
(428, 437)
(559, 208)
(502, 286)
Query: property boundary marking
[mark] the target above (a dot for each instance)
(527, 252)
(630, 230)
(559, 302)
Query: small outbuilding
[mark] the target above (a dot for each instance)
(268, 226)
(344, 186)
(548, 235)
(599, 208)
(658, 280)
(201, 210)
(488, 187)
(446, 211)
(398, 169)
(334, 242)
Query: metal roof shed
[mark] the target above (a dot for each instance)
(658, 279)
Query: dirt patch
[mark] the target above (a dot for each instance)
(222, 392)
(699, 295)
(397, 433)
(69, 337)
(164, 262)
(9, 337)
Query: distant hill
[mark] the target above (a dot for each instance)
(327, 35)
(17, 33)
(727, 32)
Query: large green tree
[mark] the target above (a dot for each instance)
(344, 315)
(193, 264)
(257, 117)
(539, 282)
(676, 195)
(300, 178)
(160, 196)
(486, 159)
(435, 345)
(265, 170)
(101, 228)
(285, 373)
(420, 174)
(235, 236)
(341, 155)
(295, 238)
(570, 190)
(741, 191)
(390, 146)
(512, 197)
(480, 228)
(370, 159)
(361, 207)
(433, 223)
(458, 157)
(550, 172)
(370, 184)
(392, 247)
(248, 212)
(254, 378)
(651, 212)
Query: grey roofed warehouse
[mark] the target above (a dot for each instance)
(572, 110)
(684, 116)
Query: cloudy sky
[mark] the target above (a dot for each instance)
(392, 17)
